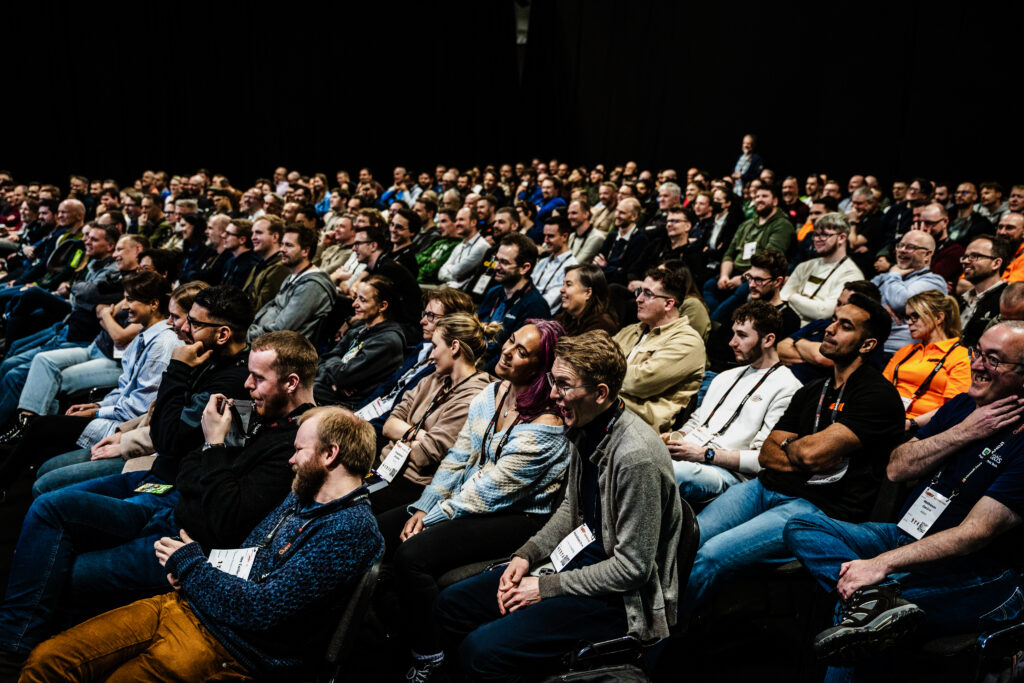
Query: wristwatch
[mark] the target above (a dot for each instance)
(709, 455)
(207, 446)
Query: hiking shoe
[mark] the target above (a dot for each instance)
(423, 670)
(873, 619)
(13, 435)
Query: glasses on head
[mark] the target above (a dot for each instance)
(430, 316)
(200, 324)
(561, 387)
(747, 277)
(990, 359)
(972, 257)
(911, 247)
(648, 294)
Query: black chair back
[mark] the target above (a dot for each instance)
(357, 602)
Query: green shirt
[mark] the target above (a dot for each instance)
(776, 233)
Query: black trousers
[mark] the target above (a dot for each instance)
(46, 437)
(420, 561)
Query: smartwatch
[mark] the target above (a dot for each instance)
(709, 455)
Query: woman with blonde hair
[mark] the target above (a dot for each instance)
(423, 426)
(937, 366)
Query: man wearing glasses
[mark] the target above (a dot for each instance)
(665, 356)
(938, 567)
(934, 220)
(814, 287)
(983, 262)
(911, 275)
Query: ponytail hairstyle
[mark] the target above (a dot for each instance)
(472, 335)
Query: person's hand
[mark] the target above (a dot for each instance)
(513, 574)
(105, 451)
(216, 418)
(29, 251)
(600, 261)
(166, 546)
(83, 409)
(413, 526)
(525, 594)
(735, 281)
(991, 418)
(859, 573)
(723, 282)
(685, 450)
(635, 285)
(174, 582)
(191, 355)
(63, 289)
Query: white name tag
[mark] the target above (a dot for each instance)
(571, 546)
(373, 410)
(748, 250)
(350, 354)
(923, 513)
(118, 353)
(700, 436)
(392, 464)
(236, 561)
(481, 285)
(906, 403)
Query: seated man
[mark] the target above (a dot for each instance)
(826, 452)
(911, 275)
(814, 287)
(83, 548)
(514, 298)
(221, 626)
(956, 554)
(306, 295)
(664, 354)
(622, 509)
(721, 440)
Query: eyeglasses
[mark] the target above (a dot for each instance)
(431, 316)
(911, 247)
(930, 224)
(821, 234)
(759, 280)
(561, 387)
(648, 294)
(971, 258)
(358, 242)
(989, 359)
(199, 324)
(913, 317)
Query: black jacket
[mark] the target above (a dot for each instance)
(361, 360)
(183, 394)
(226, 491)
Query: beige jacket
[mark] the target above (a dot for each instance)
(664, 373)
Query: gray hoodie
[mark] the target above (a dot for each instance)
(301, 303)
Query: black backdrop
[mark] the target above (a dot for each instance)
(901, 88)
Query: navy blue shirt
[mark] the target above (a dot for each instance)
(512, 313)
(1001, 477)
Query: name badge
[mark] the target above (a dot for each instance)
(571, 546)
(700, 436)
(236, 561)
(906, 403)
(373, 410)
(392, 464)
(154, 488)
(923, 513)
(830, 477)
(118, 353)
(481, 285)
(350, 354)
(748, 250)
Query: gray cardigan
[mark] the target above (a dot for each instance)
(641, 520)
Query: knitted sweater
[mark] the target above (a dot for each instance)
(526, 477)
(281, 618)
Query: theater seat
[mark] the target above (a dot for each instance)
(357, 603)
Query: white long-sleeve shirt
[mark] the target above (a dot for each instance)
(548, 277)
(802, 291)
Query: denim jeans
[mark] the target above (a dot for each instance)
(68, 370)
(14, 369)
(513, 647)
(699, 483)
(85, 548)
(722, 302)
(71, 468)
(739, 531)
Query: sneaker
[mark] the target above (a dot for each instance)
(423, 670)
(13, 435)
(872, 620)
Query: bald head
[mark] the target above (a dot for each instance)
(71, 214)
(915, 250)
(627, 212)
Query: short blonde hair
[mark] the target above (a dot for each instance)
(355, 438)
(595, 357)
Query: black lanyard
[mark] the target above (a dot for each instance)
(554, 271)
(438, 401)
(492, 425)
(736, 413)
(987, 455)
(822, 283)
(821, 401)
(928, 380)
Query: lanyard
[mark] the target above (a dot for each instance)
(822, 283)
(492, 425)
(552, 269)
(987, 455)
(821, 401)
(438, 401)
(736, 413)
(407, 377)
(467, 247)
(504, 304)
(602, 444)
(928, 380)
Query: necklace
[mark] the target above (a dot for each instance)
(507, 410)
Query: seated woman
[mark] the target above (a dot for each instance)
(130, 439)
(423, 426)
(937, 366)
(585, 304)
(369, 351)
(494, 489)
(143, 365)
(437, 303)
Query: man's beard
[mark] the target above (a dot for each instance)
(309, 479)
(764, 211)
(828, 252)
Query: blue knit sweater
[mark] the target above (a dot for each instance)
(279, 620)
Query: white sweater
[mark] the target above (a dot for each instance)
(799, 289)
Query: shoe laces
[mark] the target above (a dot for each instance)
(422, 672)
(844, 607)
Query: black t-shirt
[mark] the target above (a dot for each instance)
(1001, 477)
(870, 408)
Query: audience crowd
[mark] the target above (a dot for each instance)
(235, 401)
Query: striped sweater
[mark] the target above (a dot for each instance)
(526, 478)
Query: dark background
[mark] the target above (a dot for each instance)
(902, 88)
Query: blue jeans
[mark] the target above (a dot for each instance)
(699, 483)
(69, 370)
(87, 547)
(71, 468)
(739, 531)
(14, 369)
(722, 302)
(960, 595)
(513, 647)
